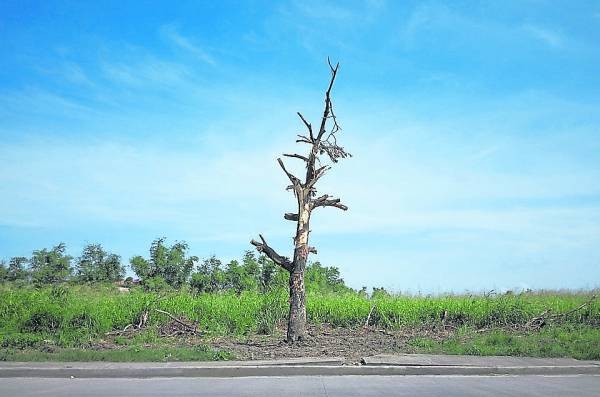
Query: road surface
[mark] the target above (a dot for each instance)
(328, 386)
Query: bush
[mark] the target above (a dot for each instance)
(43, 320)
(83, 320)
(169, 263)
(59, 292)
(155, 284)
(3, 272)
(50, 266)
(16, 269)
(21, 341)
(210, 276)
(97, 265)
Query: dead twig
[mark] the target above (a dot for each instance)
(541, 320)
(130, 328)
(369, 316)
(192, 328)
(177, 326)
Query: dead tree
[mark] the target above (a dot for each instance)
(320, 142)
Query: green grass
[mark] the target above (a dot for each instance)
(129, 354)
(79, 316)
(579, 342)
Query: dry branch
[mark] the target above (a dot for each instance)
(188, 328)
(369, 316)
(297, 156)
(308, 126)
(545, 316)
(290, 216)
(303, 139)
(131, 328)
(270, 252)
(316, 176)
(328, 106)
(324, 201)
(176, 319)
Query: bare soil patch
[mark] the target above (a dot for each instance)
(325, 341)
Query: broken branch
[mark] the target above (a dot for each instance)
(308, 126)
(327, 109)
(317, 175)
(324, 201)
(296, 184)
(292, 177)
(189, 327)
(297, 156)
(271, 254)
(290, 216)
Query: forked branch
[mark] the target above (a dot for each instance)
(325, 201)
(271, 254)
(317, 175)
(296, 183)
(328, 107)
(308, 126)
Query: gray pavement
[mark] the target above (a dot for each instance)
(415, 364)
(347, 386)
(473, 361)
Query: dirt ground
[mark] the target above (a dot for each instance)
(325, 341)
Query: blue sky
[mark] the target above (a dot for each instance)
(475, 130)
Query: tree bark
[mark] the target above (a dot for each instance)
(296, 330)
(297, 316)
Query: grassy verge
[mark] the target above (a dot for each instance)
(128, 354)
(579, 342)
(73, 321)
(74, 316)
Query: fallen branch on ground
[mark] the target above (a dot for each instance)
(130, 328)
(545, 317)
(166, 329)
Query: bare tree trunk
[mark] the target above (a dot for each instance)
(297, 315)
(305, 193)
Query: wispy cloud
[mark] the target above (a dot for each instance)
(324, 11)
(549, 37)
(186, 43)
(75, 74)
(485, 152)
(441, 19)
(146, 73)
(41, 102)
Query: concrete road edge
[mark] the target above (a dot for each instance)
(152, 371)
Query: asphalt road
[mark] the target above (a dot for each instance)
(329, 386)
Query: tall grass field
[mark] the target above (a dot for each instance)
(78, 316)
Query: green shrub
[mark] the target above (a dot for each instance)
(42, 320)
(83, 320)
(21, 341)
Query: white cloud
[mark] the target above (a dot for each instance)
(75, 74)
(549, 37)
(185, 43)
(38, 102)
(435, 21)
(146, 73)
